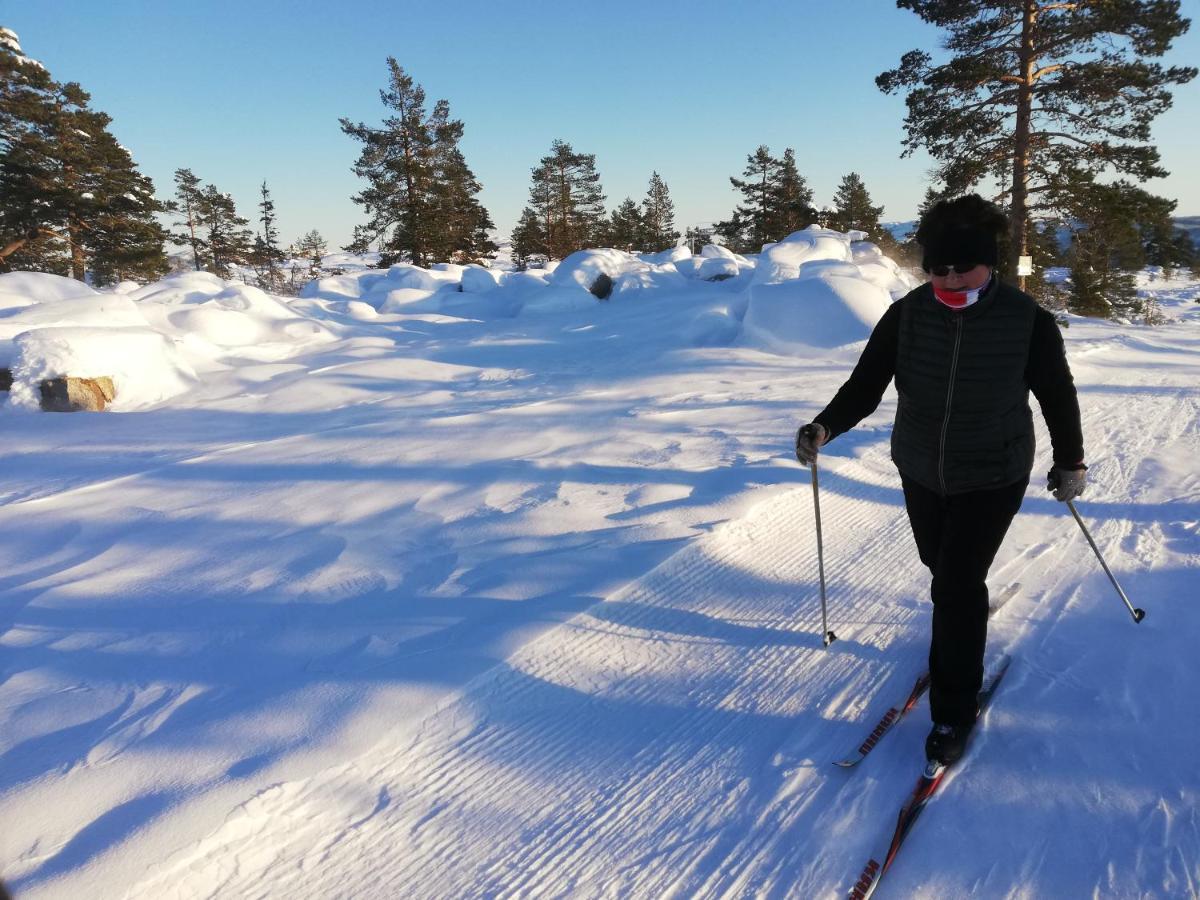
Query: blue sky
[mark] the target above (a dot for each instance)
(245, 91)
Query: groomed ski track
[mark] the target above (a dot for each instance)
(674, 741)
(676, 738)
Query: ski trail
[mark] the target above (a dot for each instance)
(618, 754)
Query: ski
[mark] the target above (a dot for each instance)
(927, 785)
(896, 713)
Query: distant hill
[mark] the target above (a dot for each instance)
(1190, 224)
(900, 230)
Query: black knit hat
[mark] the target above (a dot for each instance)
(963, 230)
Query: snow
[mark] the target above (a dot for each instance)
(513, 592)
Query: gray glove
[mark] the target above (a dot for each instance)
(1067, 484)
(809, 440)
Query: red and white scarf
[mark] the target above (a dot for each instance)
(960, 299)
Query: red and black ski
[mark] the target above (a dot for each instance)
(896, 713)
(927, 785)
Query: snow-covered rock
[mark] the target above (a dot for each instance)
(146, 367)
(827, 310)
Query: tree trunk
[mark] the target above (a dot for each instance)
(1019, 222)
(78, 262)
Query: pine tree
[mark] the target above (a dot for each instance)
(568, 200)
(229, 240)
(658, 212)
(185, 205)
(528, 239)
(71, 197)
(461, 224)
(421, 195)
(791, 201)
(1163, 243)
(852, 209)
(1105, 247)
(265, 255)
(626, 227)
(1041, 96)
(312, 246)
(753, 222)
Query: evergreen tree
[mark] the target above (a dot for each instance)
(229, 240)
(1041, 96)
(754, 220)
(185, 205)
(71, 197)
(1105, 248)
(1164, 244)
(658, 212)
(461, 225)
(528, 239)
(265, 256)
(852, 209)
(568, 200)
(312, 247)
(421, 195)
(627, 227)
(791, 206)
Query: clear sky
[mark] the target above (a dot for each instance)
(245, 91)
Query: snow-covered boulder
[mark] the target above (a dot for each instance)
(478, 280)
(335, 287)
(405, 276)
(783, 261)
(18, 289)
(666, 257)
(95, 310)
(648, 278)
(827, 310)
(146, 367)
(584, 268)
(717, 268)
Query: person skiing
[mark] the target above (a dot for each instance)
(965, 350)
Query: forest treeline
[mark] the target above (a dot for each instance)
(1044, 107)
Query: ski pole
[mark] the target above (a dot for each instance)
(827, 636)
(1138, 614)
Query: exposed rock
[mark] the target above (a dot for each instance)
(602, 287)
(5, 379)
(69, 394)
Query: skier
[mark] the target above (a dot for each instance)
(965, 350)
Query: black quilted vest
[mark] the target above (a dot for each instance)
(963, 421)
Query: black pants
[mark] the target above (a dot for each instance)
(957, 538)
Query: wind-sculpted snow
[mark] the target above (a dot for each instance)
(473, 597)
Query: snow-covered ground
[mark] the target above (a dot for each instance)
(405, 590)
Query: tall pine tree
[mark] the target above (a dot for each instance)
(186, 205)
(852, 209)
(265, 256)
(528, 238)
(792, 200)
(71, 198)
(626, 227)
(228, 239)
(1105, 247)
(1041, 96)
(658, 213)
(421, 195)
(567, 198)
(753, 220)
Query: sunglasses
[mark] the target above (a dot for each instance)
(960, 268)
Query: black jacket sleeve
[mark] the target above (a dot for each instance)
(860, 395)
(1049, 378)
